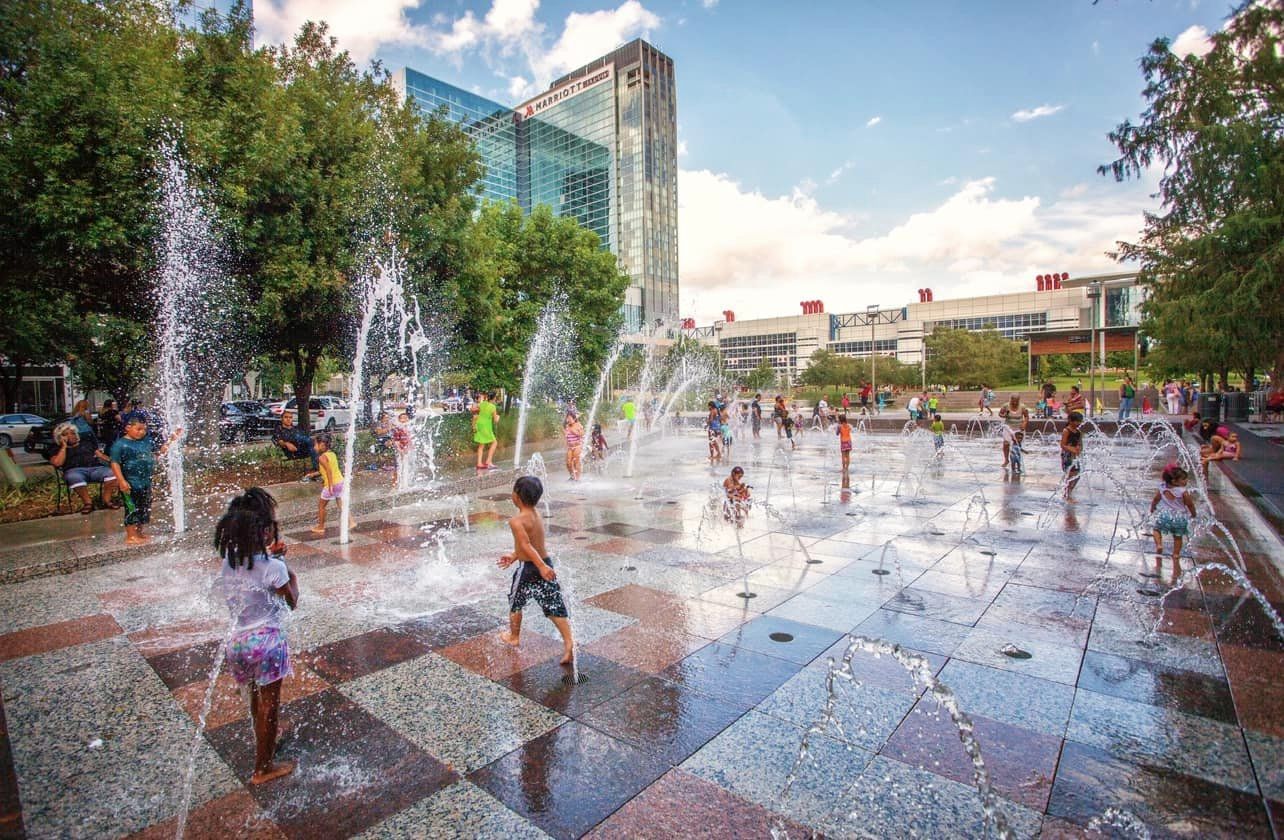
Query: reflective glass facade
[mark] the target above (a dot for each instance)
(489, 124)
(743, 353)
(601, 145)
(1011, 326)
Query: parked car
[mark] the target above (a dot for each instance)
(40, 440)
(240, 420)
(451, 405)
(328, 413)
(14, 428)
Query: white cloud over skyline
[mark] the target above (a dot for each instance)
(756, 253)
(1193, 40)
(1027, 114)
(873, 121)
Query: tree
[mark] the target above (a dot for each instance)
(517, 264)
(1213, 257)
(762, 377)
(971, 359)
(86, 90)
(113, 355)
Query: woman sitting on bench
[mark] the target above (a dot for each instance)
(81, 463)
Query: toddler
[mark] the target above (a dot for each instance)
(1176, 507)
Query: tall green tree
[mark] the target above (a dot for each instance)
(1213, 257)
(762, 377)
(86, 90)
(971, 359)
(517, 263)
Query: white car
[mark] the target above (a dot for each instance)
(328, 413)
(14, 428)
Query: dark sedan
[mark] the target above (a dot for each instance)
(242, 420)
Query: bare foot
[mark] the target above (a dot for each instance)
(568, 658)
(317, 530)
(507, 637)
(276, 771)
(137, 540)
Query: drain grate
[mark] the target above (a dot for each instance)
(783, 638)
(814, 562)
(569, 679)
(881, 572)
(630, 568)
(746, 595)
(989, 553)
(1148, 592)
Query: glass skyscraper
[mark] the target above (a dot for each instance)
(599, 145)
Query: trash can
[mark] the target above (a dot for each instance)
(1238, 405)
(1210, 406)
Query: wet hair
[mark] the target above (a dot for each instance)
(1074, 388)
(737, 470)
(1020, 435)
(241, 533)
(529, 489)
(936, 416)
(1173, 473)
(597, 428)
(712, 404)
(842, 418)
(324, 437)
(1075, 417)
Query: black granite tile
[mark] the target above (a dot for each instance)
(551, 685)
(782, 638)
(737, 675)
(667, 720)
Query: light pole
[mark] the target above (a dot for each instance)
(872, 315)
(1094, 297)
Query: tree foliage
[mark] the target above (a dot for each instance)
(1213, 257)
(972, 359)
(831, 369)
(761, 378)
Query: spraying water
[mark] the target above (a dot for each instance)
(187, 283)
(549, 348)
(603, 383)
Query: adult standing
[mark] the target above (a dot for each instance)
(822, 410)
(296, 443)
(755, 415)
(485, 418)
(83, 419)
(1074, 402)
(914, 405)
(1172, 395)
(1127, 393)
(1017, 417)
(109, 424)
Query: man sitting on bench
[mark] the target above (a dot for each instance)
(296, 443)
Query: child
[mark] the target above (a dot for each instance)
(933, 402)
(485, 418)
(534, 578)
(1016, 453)
(402, 442)
(1229, 450)
(726, 431)
(1071, 449)
(788, 423)
(574, 431)
(599, 450)
(331, 481)
(258, 587)
(1176, 507)
(938, 433)
(737, 505)
(844, 432)
(714, 423)
(133, 459)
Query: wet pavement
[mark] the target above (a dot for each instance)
(408, 718)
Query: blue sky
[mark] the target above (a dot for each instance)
(852, 152)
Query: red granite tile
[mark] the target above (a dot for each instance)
(10, 801)
(622, 546)
(488, 656)
(1021, 763)
(352, 769)
(393, 532)
(680, 806)
(382, 555)
(641, 602)
(1059, 829)
(358, 656)
(1255, 685)
(484, 516)
(233, 815)
(229, 705)
(76, 631)
(351, 593)
(156, 641)
(645, 647)
(700, 618)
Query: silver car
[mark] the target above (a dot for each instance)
(14, 428)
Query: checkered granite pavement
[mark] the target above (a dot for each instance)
(408, 718)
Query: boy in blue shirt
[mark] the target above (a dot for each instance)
(133, 459)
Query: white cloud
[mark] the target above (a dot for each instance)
(360, 27)
(708, 4)
(1027, 114)
(519, 88)
(587, 35)
(1193, 40)
(759, 252)
(682, 147)
(873, 121)
(842, 170)
(1096, 48)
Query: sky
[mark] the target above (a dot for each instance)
(852, 152)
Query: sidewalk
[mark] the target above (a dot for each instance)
(1259, 474)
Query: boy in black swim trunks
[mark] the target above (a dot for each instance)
(534, 579)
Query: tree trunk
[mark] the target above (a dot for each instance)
(11, 387)
(305, 368)
(1223, 377)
